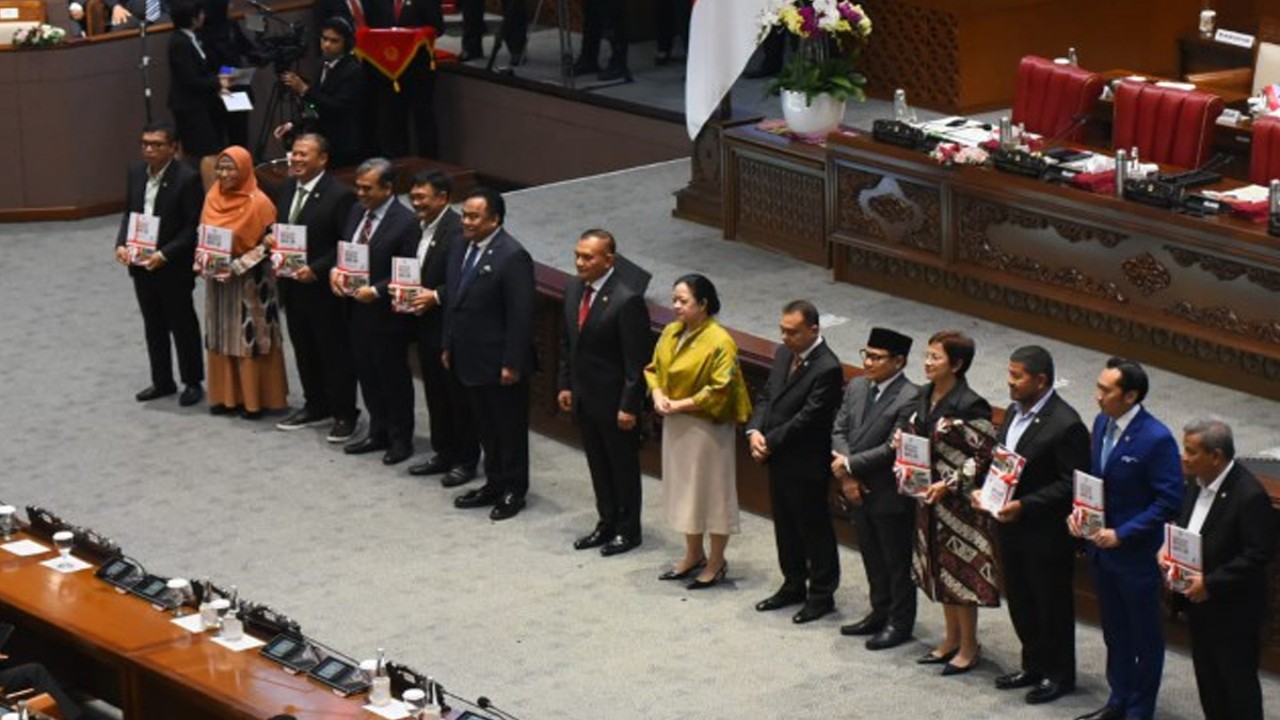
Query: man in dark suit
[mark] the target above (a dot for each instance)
(604, 346)
(488, 342)
(875, 403)
(171, 191)
(380, 336)
(1037, 552)
(599, 16)
(790, 432)
(453, 434)
(1137, 459)
(318, 330)
(334, 101)
(195, 88)
(1227, 603)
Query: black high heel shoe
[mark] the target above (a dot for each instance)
(715, 579)
(930, 659)
(683, 574)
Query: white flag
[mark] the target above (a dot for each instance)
(722, 37)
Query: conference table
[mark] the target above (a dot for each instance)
(120, 648)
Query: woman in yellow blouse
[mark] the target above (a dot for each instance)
(698, 389)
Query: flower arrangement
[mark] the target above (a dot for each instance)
(42, 35)
(830, 35)
(956, 154)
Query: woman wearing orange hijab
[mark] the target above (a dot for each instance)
(242, 313)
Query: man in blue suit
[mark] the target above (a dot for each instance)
(488, 342)
(1138, 461)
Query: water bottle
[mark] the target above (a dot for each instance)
(1122, 172)
(1273, 199)
(901, 111)
(1072, 57)
(232, 626)
(380, 688)
(1006, 133)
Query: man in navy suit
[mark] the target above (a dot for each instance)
(1137, 459)
(1227, 603)
(790, 432)
(488, 341)
(604, 346)
(161, 187)
(379, 335)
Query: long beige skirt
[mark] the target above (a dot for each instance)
(699, 475)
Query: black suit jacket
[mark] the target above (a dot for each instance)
(337, 104)
(795, 412)
(325, 213)
(1055, 445)
(488, 322)
(194, 82)
(434, 269)
(864, 439)
(1238, 539)
(413, 13)
(603, 363)
(395, 236)
(178, 205)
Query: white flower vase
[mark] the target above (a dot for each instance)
(815, 117)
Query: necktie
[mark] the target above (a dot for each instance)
(299, 199)
(152, 10)
(366, 232)
(587, 293)
(469, 261)
(873, 393)
(796, 362)
(1108, 443)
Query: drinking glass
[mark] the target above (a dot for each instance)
(8, 521)
(180, 593)
(63, 540)
(416, 699)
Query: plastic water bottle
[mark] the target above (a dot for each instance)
(901, 111)
(1122, 172)
(1072, 57)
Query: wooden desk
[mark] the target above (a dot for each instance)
(121, 649)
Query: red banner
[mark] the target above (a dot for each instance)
(391, 49)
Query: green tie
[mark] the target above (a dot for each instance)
(298, 200)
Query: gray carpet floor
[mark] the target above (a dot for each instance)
(368, 557)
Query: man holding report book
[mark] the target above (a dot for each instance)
(1037, 553)
(1136, 457)
(1226, 602)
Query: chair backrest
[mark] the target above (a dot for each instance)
(1167, 125)
(1264, 162)
(1050, 97)
(1266, 67)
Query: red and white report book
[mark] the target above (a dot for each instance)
(143, 236)
(1088, 503)
(406, 283)
(1002, 479)
(290, 254)
(213, 253)
(911, 466)
(353, 266)
(1182, 551)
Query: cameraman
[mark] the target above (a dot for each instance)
(331, 106)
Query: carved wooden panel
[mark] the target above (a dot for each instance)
(875, 205)
(898, 56)
(781, 206)
(1225, 269)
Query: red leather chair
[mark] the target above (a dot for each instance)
(1166, 124)
(1264, 163)
(1051, 97)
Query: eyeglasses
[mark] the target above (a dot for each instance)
(873, 357)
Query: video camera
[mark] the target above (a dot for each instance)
(281, 50)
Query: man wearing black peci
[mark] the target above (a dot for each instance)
(161, 187)
(604, 346)
(1037, 552)
(315, 199)
(790, 432)
(453, 435)
(380, 336)
(875, 403)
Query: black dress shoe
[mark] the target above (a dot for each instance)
(811, 612)
(302, 419)
(581, 68)
(433, 465)
(953, 669)
(247, 414)
(1105, 712)
(480, 497)
(779, 600)
(1047, 691)
(674, 574)
(367, 445)
(615, 73)
(598, 537)
(397, 454)
(459, 475)
(191, 395)
(709, 583)
(221, 409)
(869, 625)
(508, 507)
(619, 544)
(469, 54)
(930, 659)
(889, 636)
(155, 392)
(343, 430)
(1016, 680)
